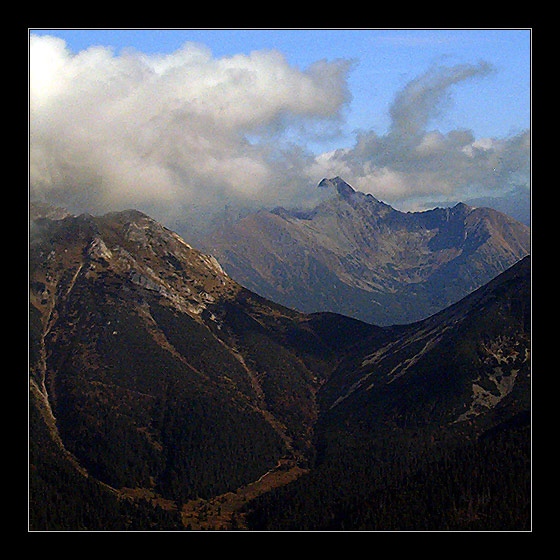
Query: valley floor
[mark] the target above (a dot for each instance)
(222, 512)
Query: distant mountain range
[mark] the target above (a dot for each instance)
(165, 395)
(358, 256)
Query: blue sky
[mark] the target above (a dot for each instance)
(169, 120)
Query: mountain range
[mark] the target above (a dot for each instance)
(355, 255)
(165, 395)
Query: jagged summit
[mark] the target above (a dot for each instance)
(341, 186)
(462, 207)
(348, 193)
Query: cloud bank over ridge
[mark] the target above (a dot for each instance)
(411, 164)
(186, 133)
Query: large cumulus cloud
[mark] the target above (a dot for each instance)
(183, 135)
(173, 132)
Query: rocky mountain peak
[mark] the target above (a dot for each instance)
(463, 208)
(392, 266)
(341, 186)
(133, 248)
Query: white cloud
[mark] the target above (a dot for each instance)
(411, 164)
(165, 132)
(169, 133)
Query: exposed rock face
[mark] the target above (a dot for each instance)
(132, 246)
(358, 256)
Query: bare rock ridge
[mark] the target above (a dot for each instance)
(338, 184)
(355, 255)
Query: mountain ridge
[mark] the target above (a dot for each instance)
(131, 328)
(424, 426)
(159, 386)
(358, 256)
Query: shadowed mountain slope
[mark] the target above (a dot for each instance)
(154, 375)
(424, 426)
(151, 368)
